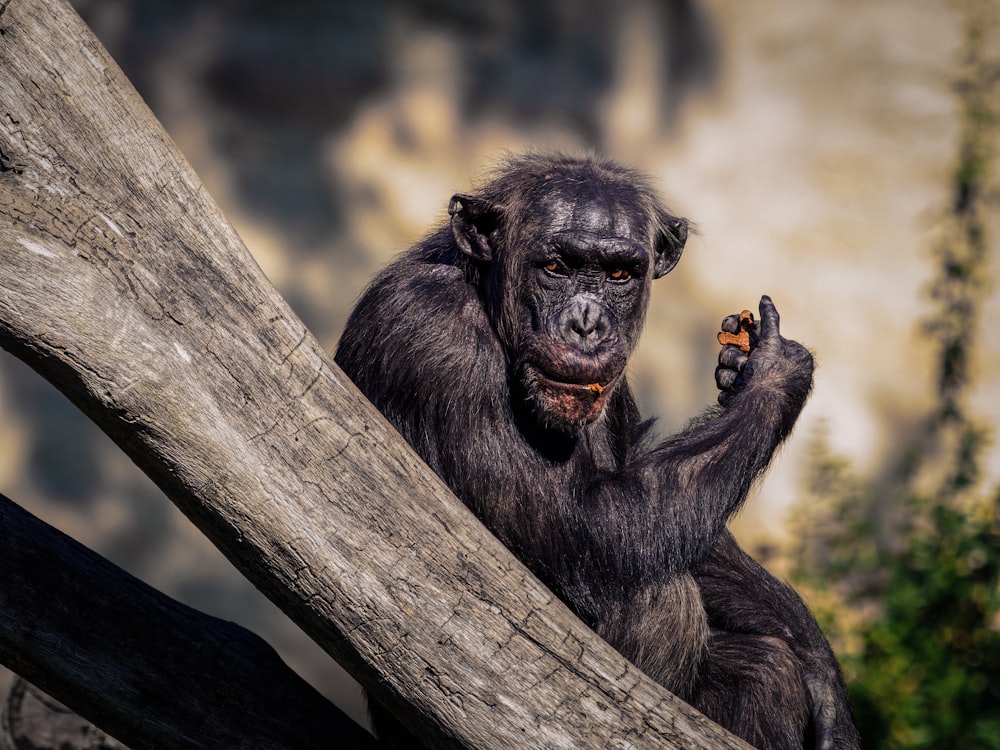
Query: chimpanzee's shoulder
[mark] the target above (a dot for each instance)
(438, 285)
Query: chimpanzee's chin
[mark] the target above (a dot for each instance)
(568, 407)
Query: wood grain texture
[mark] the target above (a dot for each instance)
(122, 283)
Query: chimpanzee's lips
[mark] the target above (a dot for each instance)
(583, 389)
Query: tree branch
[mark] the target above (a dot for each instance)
(121, 282)
(145, 668)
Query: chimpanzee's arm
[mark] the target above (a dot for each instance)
(740, 596)
(697, 479)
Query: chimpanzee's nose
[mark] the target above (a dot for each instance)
(584, 322)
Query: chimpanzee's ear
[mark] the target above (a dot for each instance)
(474, 223)
(669, 245)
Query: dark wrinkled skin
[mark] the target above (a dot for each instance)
(498, 345)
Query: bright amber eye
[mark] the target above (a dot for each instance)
(619, 274)
(553, 266)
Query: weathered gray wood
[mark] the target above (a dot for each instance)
(154, 672)
(121, 283)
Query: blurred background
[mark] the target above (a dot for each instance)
(838, 155)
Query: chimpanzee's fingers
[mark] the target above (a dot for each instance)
(725, 378)
(769, 319)
(732, 357)
(731, 324)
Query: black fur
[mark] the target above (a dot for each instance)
(497, 347)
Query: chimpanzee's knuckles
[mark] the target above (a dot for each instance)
(732, 357)
(731, 323)
(725, 378)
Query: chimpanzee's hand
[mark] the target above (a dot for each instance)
(773, 362)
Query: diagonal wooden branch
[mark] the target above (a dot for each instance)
(198, 682)
(121, 283)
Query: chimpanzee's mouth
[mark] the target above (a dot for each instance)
(595, 388)
(567, 403)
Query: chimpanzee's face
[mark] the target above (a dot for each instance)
(568, 264)
(585, 264)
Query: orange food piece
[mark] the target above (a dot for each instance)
(741, 339)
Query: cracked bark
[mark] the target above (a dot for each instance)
(122, 284)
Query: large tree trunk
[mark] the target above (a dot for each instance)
(121, 283)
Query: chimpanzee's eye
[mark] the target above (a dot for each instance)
(556, 267)
(619, 274)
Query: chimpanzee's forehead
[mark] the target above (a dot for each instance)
(593, 210)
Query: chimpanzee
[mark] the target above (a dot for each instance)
(498, 345)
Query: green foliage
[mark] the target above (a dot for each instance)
(928, 669)
(905, 569)
(915, 620)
